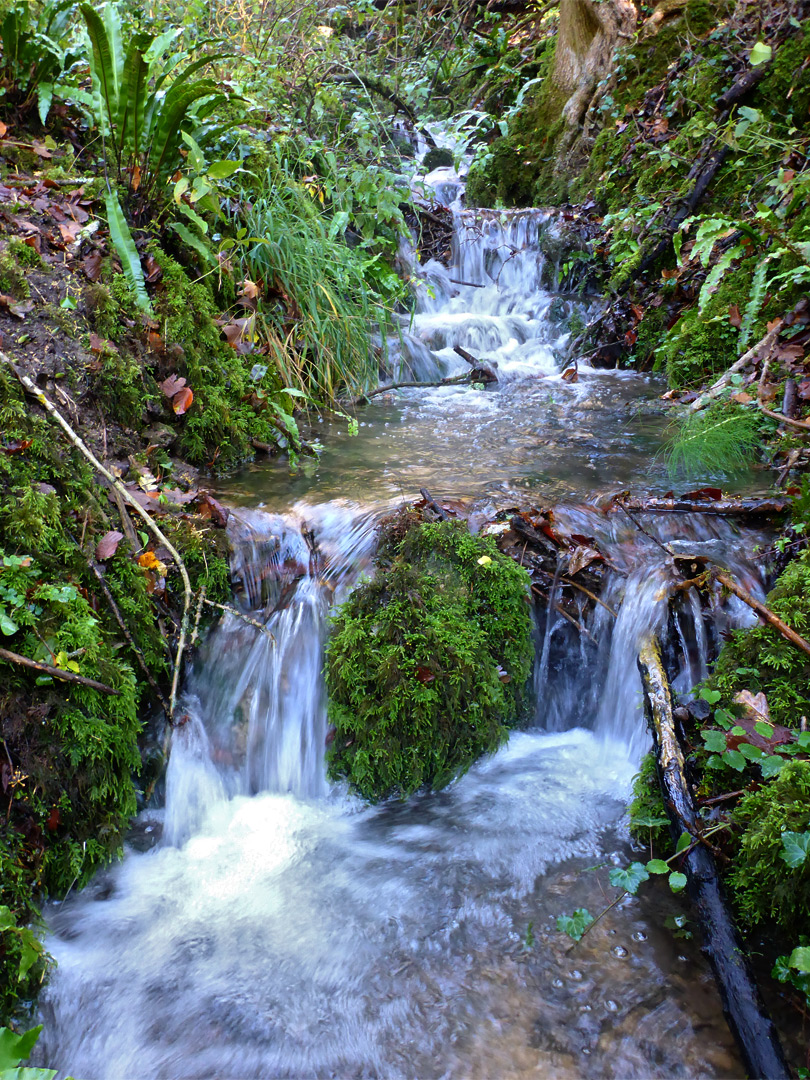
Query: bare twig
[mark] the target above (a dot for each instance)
(127, 497)
(764, 612)
(57, 673)
(240, 615)
(764, 345)
(200, 602)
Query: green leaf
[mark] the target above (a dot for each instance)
(132, 98)
(44, 99)
(126, 250)
(734, 760)
(14, 1048)
(193, 216)
(804, 740)
(44, 680)
(763, 728)
(630, 878)
(677, 881)
(193, 241)
(752, 753)
(221, 170)
(684, 840)
(103, 69)
(575, 925)
(657, 866)
(7, 920)
(760, 54)
(771, 766)
(712, 696)
(196, 156)
(31, 952)
(796, 848)
(649, 822)
(7, 624)
(714, 741)
(800, 958)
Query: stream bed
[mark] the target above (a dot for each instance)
(263, 923)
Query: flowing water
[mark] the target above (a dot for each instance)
(264, 924)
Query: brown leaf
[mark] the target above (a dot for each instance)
(705, 494)
(734, 316)
(181, 402)
(154, 271)
(570, 375)
(804, 389)
(425, 675)
(580, 558)
(41, 150)
(755, 711)
(637, 311)
(155, 341)
(631, 337)
(171, 385)
(91, 264)
(69, 230)
(742, 398)
(100, 345)
(52, 824)
(210, 509)
(34, 241)
(18, 308)
(135, 178)
(16, 446)
(3, 129)
(108, 544)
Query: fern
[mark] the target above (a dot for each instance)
(126, 250)
(722, 439)
(755, 301)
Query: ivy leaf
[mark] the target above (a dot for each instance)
(657, 866)
(712, 696)
(714, 741)
(630, 878)
(649, 822)
(575, 925)
(796, 848)
(734, 760)
(677, 881)
(800, 959)
(760, 54)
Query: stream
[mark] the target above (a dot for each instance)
(265, 924)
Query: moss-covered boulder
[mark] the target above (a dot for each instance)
(428, 663)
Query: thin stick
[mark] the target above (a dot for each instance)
(578, 626)
(200, 603)
(243, 617)
(764, 613)
(764, 343)
(125, 495)
(800, 424)
(405, 385)
(108, 596)
(57, 673)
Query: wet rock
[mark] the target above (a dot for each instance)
(160, 435)
(437, 158)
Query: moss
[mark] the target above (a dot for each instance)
(764, 887)
(759, 658)
(12, 276)
(785, 90)
(428, 663)
(25, 255)
(647, 807)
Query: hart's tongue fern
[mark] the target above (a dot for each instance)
(722, 439)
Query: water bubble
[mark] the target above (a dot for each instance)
(611, 1005)
(557, 983)
(585, 1008)
(639, 936)
(575, 975)
(619, 950)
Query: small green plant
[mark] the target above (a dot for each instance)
(428, 662)
(35, 52)
(724, 438)
(15, 1049)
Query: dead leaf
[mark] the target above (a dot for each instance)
(16, 446)
(755, 711)
(150, 561)
(91, 264)
(580, 558)
(704, 494)
(41, 150)
(734, 316)
(154, 271)
(213, 511)
(637, 311)
(570, 375)
(18, 308)
(742, 398)
(171, 385)
(425, 675)
(3, 129)
(804, 389)
(631, 337)
(135, 178)
(69, 230)
(108, 544)
(155, 341)
(34, 241)
(100, 345)
(181, 402)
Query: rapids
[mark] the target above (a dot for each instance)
(264, 924)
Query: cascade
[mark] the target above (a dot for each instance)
(266, 924)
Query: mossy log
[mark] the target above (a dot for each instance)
(743, 1007)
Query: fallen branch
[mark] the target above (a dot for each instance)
(765, 613)
(433, 506)
(742, 1004)
(764, 346)
(561, 611)
(240, 615)
(57, 673)
(454, 380)
(802, 425)
(50, 408)
(719, 507)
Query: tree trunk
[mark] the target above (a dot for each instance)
(588, 33)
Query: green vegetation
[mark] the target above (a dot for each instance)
(428, 662)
